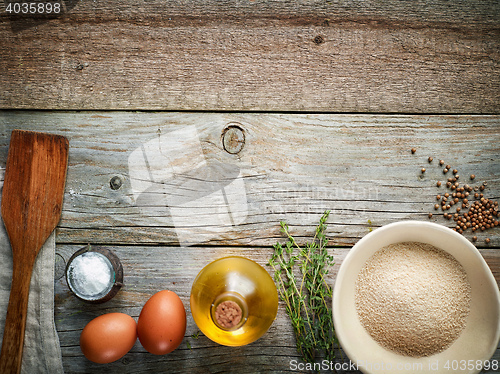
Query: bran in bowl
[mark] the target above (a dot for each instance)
(413, 298)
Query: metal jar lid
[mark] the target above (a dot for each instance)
(94, 274)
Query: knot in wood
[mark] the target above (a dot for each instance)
(233, 139)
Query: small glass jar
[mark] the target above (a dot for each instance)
(94, 274)
(234, 301)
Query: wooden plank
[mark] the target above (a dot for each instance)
(292, 167)
(324, 56)
(175, 268)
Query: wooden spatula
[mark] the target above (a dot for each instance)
(32, 199)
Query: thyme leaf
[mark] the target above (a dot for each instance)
(305, 292)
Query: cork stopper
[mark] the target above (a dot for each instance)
(228, 314)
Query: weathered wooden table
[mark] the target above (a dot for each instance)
(297, 108)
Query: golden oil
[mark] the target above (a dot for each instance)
(234, 301)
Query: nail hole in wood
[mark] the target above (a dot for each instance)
(115, 183)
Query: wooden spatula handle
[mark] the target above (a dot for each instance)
(15, 323)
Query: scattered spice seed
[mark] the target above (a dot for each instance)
(430, 159)
(413, 150)
(487, 240)
(482, 214)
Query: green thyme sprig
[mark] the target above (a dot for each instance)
(306, 293)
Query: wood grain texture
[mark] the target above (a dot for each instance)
(175, 268)
(313, 56)
(293, 167)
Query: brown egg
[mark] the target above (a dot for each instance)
(108, 338)
(162, 323)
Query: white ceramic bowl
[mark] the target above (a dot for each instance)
(477, 342)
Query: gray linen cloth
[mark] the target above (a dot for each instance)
(42, 352)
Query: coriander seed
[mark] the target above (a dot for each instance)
(441, 162)
(438, 183)
(430, 159)
(413, 150)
